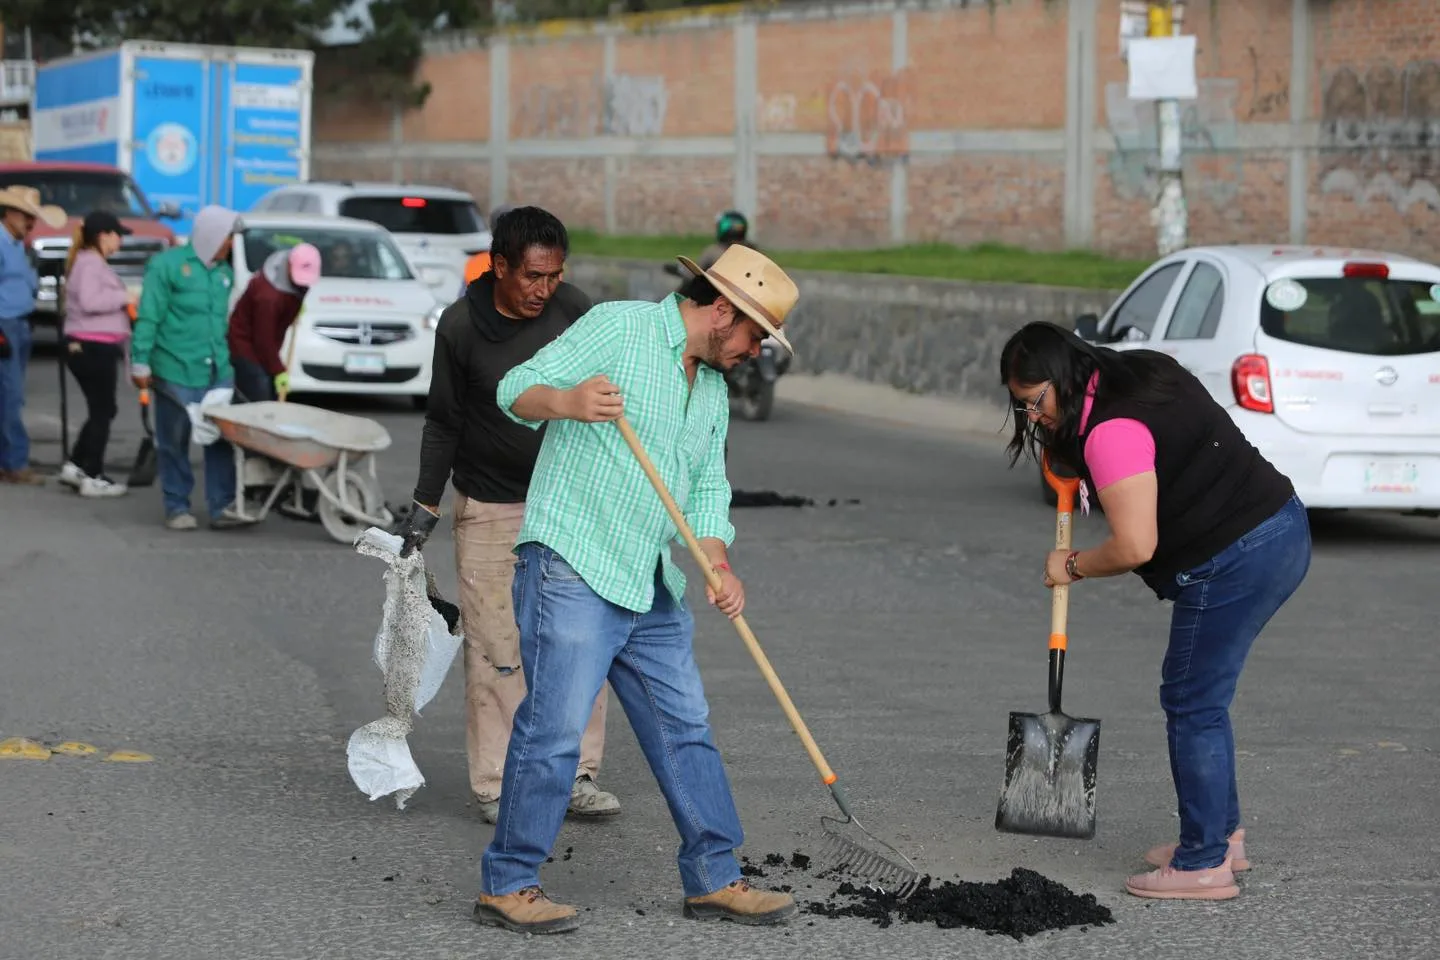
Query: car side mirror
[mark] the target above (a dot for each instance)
(169, 211)
(1087, 326)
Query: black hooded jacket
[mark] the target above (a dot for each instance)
(466, 434)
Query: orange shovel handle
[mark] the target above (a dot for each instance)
(1065, 489)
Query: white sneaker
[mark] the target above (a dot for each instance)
(101, 487)
(72, 476)
(180, 521)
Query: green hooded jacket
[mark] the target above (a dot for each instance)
(184, 314)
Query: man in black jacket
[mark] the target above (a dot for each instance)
(506, 315)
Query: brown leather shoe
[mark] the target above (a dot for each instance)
(24, 477)
(526, 911)
(742, 903)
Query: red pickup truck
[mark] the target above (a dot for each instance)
(80, 188)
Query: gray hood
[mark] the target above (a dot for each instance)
(212, 225)
(276, 269)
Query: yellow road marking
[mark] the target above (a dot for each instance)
(129, 756)
(20, 748)
(74, 748)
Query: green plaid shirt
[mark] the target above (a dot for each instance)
(588, 499)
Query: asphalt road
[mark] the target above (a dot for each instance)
(906, 626)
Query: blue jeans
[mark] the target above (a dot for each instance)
(1220, 608)
(14, 441)
(172, 453)
(571, 642)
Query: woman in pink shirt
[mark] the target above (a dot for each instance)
(1205, 521)
(97, 332)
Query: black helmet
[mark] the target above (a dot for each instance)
(731, 225)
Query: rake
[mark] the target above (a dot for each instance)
(850, 847)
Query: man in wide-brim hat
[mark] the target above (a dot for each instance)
(597, 595)
(20, 207)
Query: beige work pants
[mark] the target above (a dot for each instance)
(485, 536)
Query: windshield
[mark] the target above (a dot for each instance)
(416, 214)
(81, 192)
(349, 254)
(1385, 318)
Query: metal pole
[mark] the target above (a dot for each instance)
(1169, 215)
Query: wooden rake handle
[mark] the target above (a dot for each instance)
(713, 579)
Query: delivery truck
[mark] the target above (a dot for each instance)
(191, 125)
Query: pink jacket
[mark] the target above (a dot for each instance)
(95, 301)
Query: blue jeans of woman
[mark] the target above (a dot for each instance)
(1220, 608)
(571, 641)
(172, 453)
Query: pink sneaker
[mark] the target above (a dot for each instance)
(1160, 856)
(1167, 883)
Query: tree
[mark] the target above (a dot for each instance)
(381, 65)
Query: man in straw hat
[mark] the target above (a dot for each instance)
(597, 595)
(20, 207)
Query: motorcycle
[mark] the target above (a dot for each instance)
(752, 383)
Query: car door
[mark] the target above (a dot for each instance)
(1189, 331)
(1132, 321)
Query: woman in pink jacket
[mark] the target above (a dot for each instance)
(97, 332)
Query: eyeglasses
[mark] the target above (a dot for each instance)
(1026, 409)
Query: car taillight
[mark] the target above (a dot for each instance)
(1367, 271)
(1250, 376)
(413, 203)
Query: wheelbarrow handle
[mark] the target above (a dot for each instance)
(713, 579)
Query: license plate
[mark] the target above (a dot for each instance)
(365, 363)
(1392, 476)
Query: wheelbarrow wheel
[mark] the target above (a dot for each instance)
(360, 494)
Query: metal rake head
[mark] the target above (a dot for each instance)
(856, 851)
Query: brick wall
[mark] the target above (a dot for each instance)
(868, 124)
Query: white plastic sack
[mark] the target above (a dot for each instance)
(202, 431)
(414, 650)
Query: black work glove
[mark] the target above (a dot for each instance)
(417, 529)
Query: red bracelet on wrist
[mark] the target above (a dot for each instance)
(722, 566)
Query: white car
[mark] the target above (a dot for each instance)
(368, 325)
(438, 228)
(1328, 359)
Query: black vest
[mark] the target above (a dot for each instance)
(1214, 486)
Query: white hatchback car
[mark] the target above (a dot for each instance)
(438, 228)
(368, 325)
(1328, 359)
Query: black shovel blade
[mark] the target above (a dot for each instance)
(1050, 762)
(142, 474)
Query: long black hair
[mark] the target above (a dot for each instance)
(1042, 352)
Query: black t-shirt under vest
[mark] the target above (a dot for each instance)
(1214, 486)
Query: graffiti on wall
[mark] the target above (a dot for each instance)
(866, 117)
(1210, 142)
(624, 105)
(776, 113)
(1380, 135)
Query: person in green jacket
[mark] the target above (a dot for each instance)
(179, 351)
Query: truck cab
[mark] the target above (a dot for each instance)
(79, 188)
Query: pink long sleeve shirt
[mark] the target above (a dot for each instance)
(95, 301)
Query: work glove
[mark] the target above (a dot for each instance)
(417, 529)
(282, 382)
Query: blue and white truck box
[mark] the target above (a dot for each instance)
(192, 125)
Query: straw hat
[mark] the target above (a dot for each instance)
(27, 200)
(754, 284)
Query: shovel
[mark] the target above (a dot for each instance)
(143, 473)
(851, 847)
(1050, 758)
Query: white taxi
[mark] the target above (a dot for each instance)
(368, 326)
(1328, 359)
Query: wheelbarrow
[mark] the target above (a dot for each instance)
(316, 456)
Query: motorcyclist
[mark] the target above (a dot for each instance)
(731, 228)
